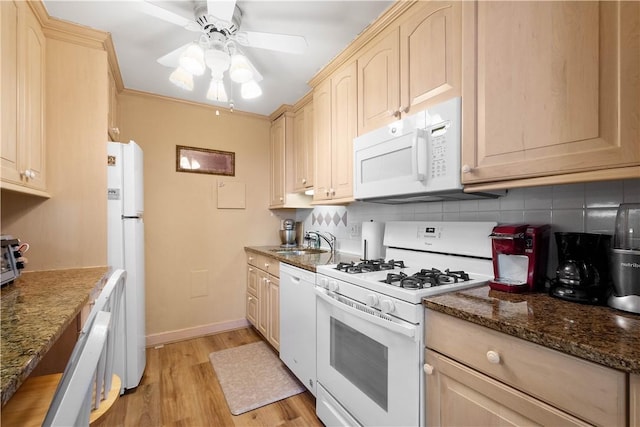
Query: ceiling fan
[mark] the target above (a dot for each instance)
(218, 23)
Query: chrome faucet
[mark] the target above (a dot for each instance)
(315, 236)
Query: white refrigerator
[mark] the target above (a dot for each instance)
(125, 249)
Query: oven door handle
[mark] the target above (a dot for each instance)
(406, 330)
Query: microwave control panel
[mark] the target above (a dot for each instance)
(439, 164)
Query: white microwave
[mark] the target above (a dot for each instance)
(411, 160)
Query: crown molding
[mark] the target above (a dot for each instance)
(69, 32)
(308, 97)
(283, 109)
(214, 108)
(377, 26)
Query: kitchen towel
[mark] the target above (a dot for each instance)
(252, 376)
(372, 240)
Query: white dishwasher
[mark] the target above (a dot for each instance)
(298, 323)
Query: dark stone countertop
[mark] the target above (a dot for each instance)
(307, 261)
(36, 310)
(599, 334)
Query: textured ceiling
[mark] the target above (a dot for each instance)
(139, 39)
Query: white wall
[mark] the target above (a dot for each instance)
(589, 207)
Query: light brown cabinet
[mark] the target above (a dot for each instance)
(114, 129)
(263, 296)
(279, 129)
(550, 89)
(282, 165)
(23, 89)
(335, 124)
(412, 64)
(475, 375)
(303, 148)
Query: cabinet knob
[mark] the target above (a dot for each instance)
(404, 109)
(115, 131)
(493, 357)
(466, 169)
(304, 181)
(281, 199)
(428, 369)
(333, 192)
(327, 193)
(29, 174)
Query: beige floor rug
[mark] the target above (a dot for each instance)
(252, 376)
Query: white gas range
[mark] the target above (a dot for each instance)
(370, 319)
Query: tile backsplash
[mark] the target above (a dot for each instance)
(588, 207)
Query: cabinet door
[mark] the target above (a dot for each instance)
(263, 303)
(457, 396)
(277, 162)
(322, 141)
(309, 145)
(378, 82)
(9, 12)
(634, 400)
(344, 107)
(549, 88)
(33, 98)
(252, 309)
(303, 148)
(114, 130)
(274, 312)
(23, 60)
(252, 280)
(430, 55)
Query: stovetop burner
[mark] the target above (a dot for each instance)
(369, 265)
(425, 278)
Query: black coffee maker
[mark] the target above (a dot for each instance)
(583, 268)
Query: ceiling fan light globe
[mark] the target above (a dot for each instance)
(182, 78)
(192, 60)
(250, 90)
(217, 91)
(217, 60)
(240, 70)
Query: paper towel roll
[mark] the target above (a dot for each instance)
(372, 238)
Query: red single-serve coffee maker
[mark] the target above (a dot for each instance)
(519, 257)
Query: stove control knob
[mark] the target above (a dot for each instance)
(387, 306)
(372, 300)
(324, 283)
(333, 286)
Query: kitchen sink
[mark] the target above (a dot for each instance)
(298, 251)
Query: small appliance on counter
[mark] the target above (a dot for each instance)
(12, 261)
(625, 259)
(288, 234)
(519, 257)
(372, 240)
(583, 267)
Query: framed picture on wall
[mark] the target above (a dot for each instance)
(205, 160)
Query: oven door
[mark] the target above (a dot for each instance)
(368, 362)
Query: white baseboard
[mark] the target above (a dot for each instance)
(195, 332)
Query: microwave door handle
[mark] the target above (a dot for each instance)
(420, 161)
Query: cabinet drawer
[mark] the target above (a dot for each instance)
(587, 390)
(253, 258)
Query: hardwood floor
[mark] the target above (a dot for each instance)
(180, 388)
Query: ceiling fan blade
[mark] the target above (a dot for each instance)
(280, 42)
(221, 9)
(172, 59)
(151, 9)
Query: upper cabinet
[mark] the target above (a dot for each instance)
(551, 92)
(303, 147)
(410, 65)
(22, 73)
(282, 165)
(335, 124)
(114, 130)
(279, 129)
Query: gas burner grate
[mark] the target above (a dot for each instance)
(369, 266)
(425, 278)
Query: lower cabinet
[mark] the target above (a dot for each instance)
(263, 296)
(478, 376)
